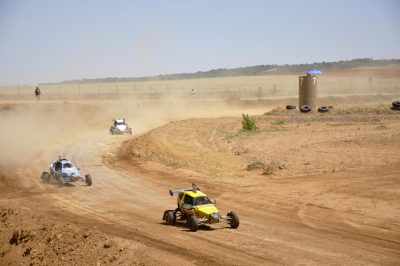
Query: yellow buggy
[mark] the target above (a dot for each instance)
(195, 208)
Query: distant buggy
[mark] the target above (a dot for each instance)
(63, 171)
(120, 127)
(195, 208)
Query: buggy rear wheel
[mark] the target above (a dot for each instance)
(170, 217)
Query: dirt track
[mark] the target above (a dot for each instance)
(326, 189)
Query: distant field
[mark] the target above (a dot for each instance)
(338, 82)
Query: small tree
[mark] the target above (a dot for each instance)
(248, 124)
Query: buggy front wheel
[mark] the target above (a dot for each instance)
(193, 223)
(233, 219)
(45, 177)
(88, 180)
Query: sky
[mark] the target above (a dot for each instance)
(56, 40)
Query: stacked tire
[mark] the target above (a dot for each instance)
(323, 109)
(305, 109)
(396, 105)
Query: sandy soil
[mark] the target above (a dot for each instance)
(309, 189)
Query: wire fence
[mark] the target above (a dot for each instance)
(237, 87)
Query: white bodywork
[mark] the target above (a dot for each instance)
(63, 171)
(120, 127)
(121, 124)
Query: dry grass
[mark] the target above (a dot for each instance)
(250, 87)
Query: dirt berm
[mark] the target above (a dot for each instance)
(309, 189)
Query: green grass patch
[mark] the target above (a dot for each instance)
(278, 122)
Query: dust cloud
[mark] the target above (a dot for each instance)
(31, 129)
(28, 129)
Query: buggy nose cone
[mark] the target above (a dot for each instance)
(215, 216)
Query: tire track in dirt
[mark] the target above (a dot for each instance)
(283, 221)
(108, 184)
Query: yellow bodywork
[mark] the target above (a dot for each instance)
(194, 194)
(201, 211)
(196, 209)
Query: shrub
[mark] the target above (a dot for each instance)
(248, 124)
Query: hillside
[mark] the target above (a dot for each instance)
(253, 70)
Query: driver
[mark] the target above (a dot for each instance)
(37, 93)
(188, 200)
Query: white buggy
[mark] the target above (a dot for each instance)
(120, 127)
(63, 171)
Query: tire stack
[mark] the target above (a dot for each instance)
(305, 108)
(396, 105)
(323, 109)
